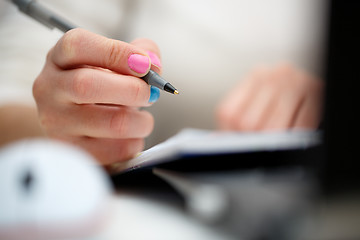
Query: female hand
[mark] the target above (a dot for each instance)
(89, 93)
(273, 98)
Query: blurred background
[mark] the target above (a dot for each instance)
(206, 46)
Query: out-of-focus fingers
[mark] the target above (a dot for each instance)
(257, 112)
(287, 84)
(310, 113)
(108, 151)
(300, 99)
(100, 121)
(232, 108)
(276, 102)
(284, 111)
(232, 105)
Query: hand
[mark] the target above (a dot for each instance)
(275, 98)
(89, 93)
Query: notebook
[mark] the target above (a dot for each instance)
(198, 144)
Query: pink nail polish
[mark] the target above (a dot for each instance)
(154, 59)
(139, 63)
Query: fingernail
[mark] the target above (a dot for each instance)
(155, 60)
(139, 63)
(154, 94)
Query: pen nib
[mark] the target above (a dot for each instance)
(170, 88)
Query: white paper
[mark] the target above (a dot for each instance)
(204, 142)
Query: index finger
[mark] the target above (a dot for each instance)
(80, 47)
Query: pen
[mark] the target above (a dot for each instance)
(51, 20)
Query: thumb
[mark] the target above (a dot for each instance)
(152, 50)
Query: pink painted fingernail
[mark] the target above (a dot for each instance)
(139, 63)
(155, 60)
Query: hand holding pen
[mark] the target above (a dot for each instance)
(45, 16)
(89, 92)
(91, 87)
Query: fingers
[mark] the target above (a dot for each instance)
(284, 112)
(254, 116)
(91, 55)
(231, 106)
(152, 50)
(108, 151)
(310, 112)
(89, 90)
(240, 109)
(79, 47)
(99, 121)
(275, 98)
(285, 85)
(110, 133)
(89, 85)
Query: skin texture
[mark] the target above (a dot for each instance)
(89, 94)
(272, 98)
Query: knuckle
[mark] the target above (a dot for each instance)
(223, 115)
(51, 122)
(36, 89)
(70, 43)
(118, 122)
(81, 86)
(115, 55)
(49, 55)
(41, 88)
(46, 121)
(137, 93)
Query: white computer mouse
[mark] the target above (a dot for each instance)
(50, 190)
